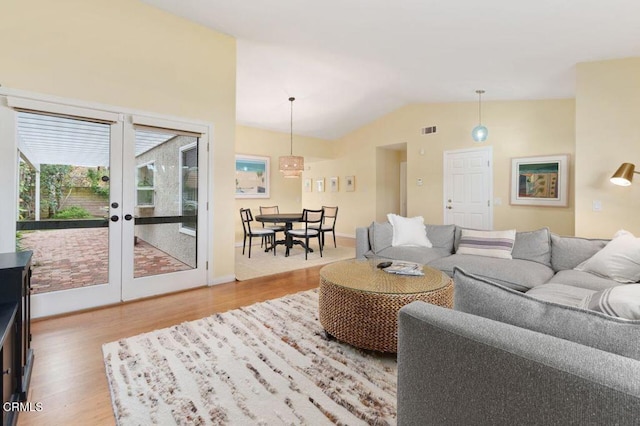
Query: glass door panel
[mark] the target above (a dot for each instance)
(165, 187)
(166, 226)
(64, 190)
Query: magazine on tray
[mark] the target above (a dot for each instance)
(404, 268)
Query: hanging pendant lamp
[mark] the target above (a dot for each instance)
(291, 165)
(480, 132)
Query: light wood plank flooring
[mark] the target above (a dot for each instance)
(68, 376)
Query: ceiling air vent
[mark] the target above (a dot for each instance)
(428, 130)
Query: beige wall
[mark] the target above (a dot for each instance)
(607, 134)
(285, 193)
(125, 53)
(516, 129)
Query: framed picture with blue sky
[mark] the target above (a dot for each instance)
(252, 176)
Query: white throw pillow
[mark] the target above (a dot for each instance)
(487, 243)
(622, 301)
(408, 231)
(619, 260)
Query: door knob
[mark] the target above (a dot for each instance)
(449, 207)
(128, 217)
(114, 218)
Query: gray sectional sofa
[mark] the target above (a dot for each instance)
(517, 348)
(539, 258)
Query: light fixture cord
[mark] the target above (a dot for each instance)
(479, 107)
(291, 149)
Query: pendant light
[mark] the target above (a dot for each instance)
(291, 165)
(479, 133)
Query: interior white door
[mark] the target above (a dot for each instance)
(468, 188)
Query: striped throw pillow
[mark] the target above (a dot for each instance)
(487, 243)
(621, 301)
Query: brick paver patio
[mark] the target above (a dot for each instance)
(72, 258)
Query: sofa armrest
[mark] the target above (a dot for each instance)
(458, 368)
(362, 242)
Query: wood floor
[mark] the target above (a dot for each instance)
(68, 375)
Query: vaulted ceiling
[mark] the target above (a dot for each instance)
(348, 62)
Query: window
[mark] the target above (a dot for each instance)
(145, 185)
(189, 186)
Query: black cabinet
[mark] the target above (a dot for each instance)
(15, 309)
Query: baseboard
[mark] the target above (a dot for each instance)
(222, 280)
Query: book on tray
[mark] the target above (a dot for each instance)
(404, 268)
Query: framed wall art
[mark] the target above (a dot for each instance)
(252, 176)
(333, 184)
(350, 183)
(307, 185)
(540, 181)
(320, 184)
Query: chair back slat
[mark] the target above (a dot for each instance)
(312, 216)
(247, 218)
(330, 215)
(269, 210)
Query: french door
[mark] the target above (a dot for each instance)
(113, 205)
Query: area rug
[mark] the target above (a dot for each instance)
(261, 263)
(265, 364)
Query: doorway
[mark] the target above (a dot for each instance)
(113, 205)
(468, 188)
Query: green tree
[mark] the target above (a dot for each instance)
(54, 184)
(26, 205)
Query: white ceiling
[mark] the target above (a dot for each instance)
(348, 62)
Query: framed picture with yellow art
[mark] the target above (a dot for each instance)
(320, 184)
(540, 181)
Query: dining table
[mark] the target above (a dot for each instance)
(288, 219)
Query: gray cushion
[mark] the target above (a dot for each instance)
(412, 254)
(482, 297)
(582, 279)
(534, 246)
(380, 236)
(560, 293)
(441, 236)
(569, 252)
(514, 273)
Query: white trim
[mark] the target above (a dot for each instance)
(62, 109)
(182, 229)
(187, 129)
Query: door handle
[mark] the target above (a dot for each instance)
(114, 218)
(449, 207)
(128, 217)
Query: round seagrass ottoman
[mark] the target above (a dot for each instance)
(359, 302)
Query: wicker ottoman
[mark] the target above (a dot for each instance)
(359, 303)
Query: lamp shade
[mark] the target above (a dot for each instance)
(291, 166)
(480, 133)
(624, 175)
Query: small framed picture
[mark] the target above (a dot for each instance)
(307, 185)
(350, 183)
(320, 184)
(333, 184)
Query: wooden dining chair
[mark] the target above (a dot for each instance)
(310, 218)
(328, 223)
(277, 227)
(268, 235)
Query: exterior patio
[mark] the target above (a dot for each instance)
(73, 258)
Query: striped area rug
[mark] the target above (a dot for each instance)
(266, 364)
